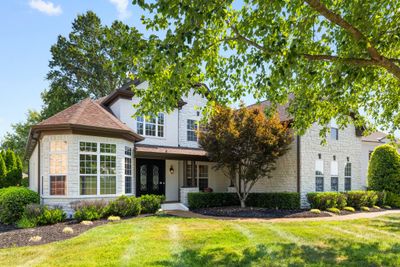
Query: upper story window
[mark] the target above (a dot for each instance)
(192, 130)
(150, 126)
(58, 167)
(334, 133)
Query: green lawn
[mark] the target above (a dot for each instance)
(168, 241)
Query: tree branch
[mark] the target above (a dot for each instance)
(352, 61)
(357, 35)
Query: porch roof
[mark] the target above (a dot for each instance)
(167, 152)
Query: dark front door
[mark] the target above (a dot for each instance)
(150, 177)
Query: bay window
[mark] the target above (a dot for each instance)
(97, 168)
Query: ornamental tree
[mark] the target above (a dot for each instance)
(244, 144)
(384, 169)
(338, 58)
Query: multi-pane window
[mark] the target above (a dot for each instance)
(57, 185)
(58, 167)
(334, 175)
(97, 167)
(334, 133)
(203, 177)
(319, 175)
(191, 174)
(192, 130)
(128, 170)
(151, 126)
(347, 177)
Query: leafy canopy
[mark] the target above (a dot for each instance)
(92, 61)
(244, 144)
(338, 58)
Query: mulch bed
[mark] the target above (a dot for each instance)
(11, 236)
(249, 212)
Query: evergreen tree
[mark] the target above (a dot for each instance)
(3, 171)
(10, 160)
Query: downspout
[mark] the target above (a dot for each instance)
(298, 164)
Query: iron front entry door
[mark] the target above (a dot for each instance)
(150, 177)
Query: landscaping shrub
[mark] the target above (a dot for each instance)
(351, 209)
(381, 201)
(89, 210)
(35, 214)
(334, 210)
(207, 200)
(384, 169)
(357, 199)
(363, 208)
(151, 203)
(123, 206)
(261, 200)
(392, 199)
(13, 201)
(326, 200)
(387, 207)
(315, 211)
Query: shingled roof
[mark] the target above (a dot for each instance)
(88, 117)
(375, 137)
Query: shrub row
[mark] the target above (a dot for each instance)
(123, 206)
(355, 199)
(35, 214)
(261, 200)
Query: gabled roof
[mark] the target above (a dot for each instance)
(375, 137)
(87, 116)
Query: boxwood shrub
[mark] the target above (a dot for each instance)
(326, 200)
(123, 206)
(151, 203)
(13, 201)
(261, 200)
(358, 199)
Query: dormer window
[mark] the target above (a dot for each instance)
(150, 126)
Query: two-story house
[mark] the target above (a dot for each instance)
(96, 149)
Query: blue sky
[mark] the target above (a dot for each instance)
(27, 30)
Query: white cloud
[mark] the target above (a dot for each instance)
(48, 8)
(122, 8)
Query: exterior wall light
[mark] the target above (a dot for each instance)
(171, 170)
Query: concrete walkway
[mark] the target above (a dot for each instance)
(364, 215)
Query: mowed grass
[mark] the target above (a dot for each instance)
(170, 241)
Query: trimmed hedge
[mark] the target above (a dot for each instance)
(326, 200)
(13, 201)
(358, 199)
(123, 206)
(261, 200)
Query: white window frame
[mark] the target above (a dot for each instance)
(146, 121)
(319, 167)
(129, 157)
(98, 174)
(336, 137)
(196, 123)
(335, 173)
(347, 176)
(58, 152)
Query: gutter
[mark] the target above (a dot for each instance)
(39, 181)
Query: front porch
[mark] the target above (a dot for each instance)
(174, 172)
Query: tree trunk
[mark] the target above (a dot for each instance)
(242, 203)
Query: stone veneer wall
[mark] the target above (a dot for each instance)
(347, 145)
(73, 168)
